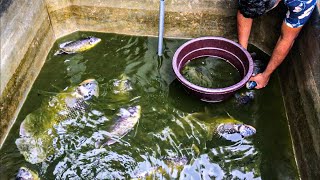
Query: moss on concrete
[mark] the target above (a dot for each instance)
(20, 83)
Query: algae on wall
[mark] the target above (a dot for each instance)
(26, 38)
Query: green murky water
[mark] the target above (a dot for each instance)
(165, 143)
(211, 72)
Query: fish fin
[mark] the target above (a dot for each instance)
(62, 45)
(98, 144)
(101, 144)
(229, 115)
(238, 143)
(23, 132)
(45, 93)
(135, 133)
(59, 52)
(109, 142)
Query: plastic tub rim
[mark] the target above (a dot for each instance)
(213, 91)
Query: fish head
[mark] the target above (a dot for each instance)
(24, 174)
(191, 73)
(250, 94)
(122, 86)
(177, 161)
(94, 40)
(134, 110)
(227, 128)
(246, 130)
(130, 112)
(88, 88)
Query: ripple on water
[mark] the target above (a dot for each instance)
(166, 143)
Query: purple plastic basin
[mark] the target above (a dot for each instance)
(220, 47)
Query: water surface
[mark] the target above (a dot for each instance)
(166, 143)
(211, 72)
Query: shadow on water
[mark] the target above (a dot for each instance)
(181, 99)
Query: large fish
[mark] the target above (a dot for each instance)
(230, 128)
(37, 129)
(125, 122)
(227, 128)
(81, 45)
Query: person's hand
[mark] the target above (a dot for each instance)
(261, 79)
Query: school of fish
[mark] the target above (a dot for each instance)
(36, 129)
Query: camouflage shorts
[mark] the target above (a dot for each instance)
(299, 11)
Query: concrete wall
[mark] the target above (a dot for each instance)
(30, 27)
(300, 79)
(26, 38)
(140, 17)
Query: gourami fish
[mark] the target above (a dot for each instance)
(37, 130)
(81, 45)
(197, 75)
(224, 127)
(124, 122)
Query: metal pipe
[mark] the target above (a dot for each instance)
(161, 27)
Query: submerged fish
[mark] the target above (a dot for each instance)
(120, 89)
(26, 174)
(166, 166)
(230, 128)
(81, 45)
(197, 75)
(122, 85)
(125, 121)
(37, 129)
(245, 97)
(224, 127)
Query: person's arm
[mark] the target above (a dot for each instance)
(282, 48)
(244, 27)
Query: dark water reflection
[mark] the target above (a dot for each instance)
(167, 143)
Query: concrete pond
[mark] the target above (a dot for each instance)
(30, 31)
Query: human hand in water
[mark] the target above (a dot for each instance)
(261, 79)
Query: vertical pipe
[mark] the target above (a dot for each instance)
(161, 27)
